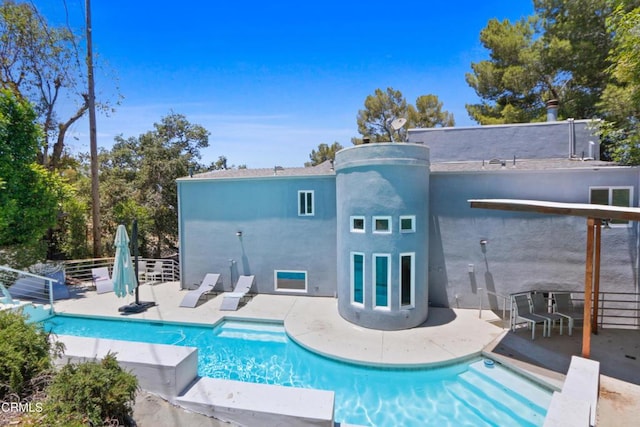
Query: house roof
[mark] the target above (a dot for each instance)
(325, 168)
(520, 165)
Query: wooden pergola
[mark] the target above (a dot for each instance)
(594, 214)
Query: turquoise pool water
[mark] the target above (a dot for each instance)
(466, 394)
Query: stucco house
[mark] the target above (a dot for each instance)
(387, 228)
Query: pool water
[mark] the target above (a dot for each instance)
(465, 394)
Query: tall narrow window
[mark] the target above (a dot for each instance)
(612, 196)
(381, 279)
(305, 203)
(357, 278)
(407, 280)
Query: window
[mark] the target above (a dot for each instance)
(407, 280)
(357, 224)
(381, 279)
(305, 203)
(357, 278)
(408, 224)
(290, 280)
(612, 196)
(382, 224)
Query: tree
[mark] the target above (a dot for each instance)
(138, 180)
(325, 152)
(620, 102)
(512, 84)
(428, 113)
(558, 54)
(30, 198)
(382, 108)
(41, 63)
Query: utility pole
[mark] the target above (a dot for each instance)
(95, 183)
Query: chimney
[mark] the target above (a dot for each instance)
(552, 110)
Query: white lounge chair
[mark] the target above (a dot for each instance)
(102, 280)
(523, 312)
(208, 284)
(7, 301)
(157, 272)
(231, 300)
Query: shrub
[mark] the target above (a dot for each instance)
(25, 353)
(91, 392)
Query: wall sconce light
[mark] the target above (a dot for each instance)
(239, 233)
(606, 224)
(483, 242)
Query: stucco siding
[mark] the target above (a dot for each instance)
(273, 235)
(522, 251)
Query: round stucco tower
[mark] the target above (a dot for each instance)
(382, 195)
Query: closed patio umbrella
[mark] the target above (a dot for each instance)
(124, 275)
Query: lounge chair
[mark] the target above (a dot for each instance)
(7, 301)
(541, 308)
(523, 312)
(563, 306)
(208, 284)
(142, 271)
(6, 296)
(157, 272)
(231, 300)
(102, 280)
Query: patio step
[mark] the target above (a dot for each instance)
(253, 331)
(510, 407)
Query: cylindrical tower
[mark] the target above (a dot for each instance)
(382, 193)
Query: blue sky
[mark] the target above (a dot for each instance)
(272, 80)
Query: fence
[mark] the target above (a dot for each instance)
(619, 310)
(25, 286)
(149, 269)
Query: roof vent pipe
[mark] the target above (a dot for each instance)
(572, 138)
(552, 110)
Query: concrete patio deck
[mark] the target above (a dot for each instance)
(448, 335)
(313, 322)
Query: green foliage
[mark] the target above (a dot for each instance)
(90, 392)
(31, 195)
(620, 102)
(41, 63)
(138, 176)
(509, 83)
(383, 107)
(325, 152)
(428, 113)
(560, 53)
(25, 353)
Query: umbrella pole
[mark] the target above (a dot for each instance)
(134, 237)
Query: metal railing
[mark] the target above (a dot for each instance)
(504, 299)
(150, 269)
(25, 286)
(619, 310)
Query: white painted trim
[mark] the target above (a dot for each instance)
(381, 217)
(358, 230)
(351, 277)
(413, 224)
(412, 304)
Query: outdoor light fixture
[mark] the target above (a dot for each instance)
(239, 233)
(606, 224)
(483, 242)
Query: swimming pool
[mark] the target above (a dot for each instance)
(456, 395)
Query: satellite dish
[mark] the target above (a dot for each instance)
(398, 123)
